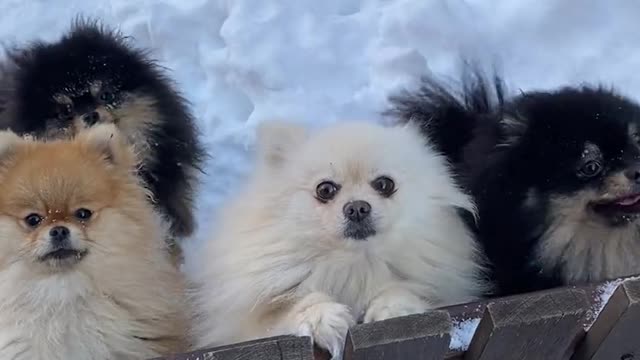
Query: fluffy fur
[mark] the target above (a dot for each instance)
(286, 260)
(545, 219)
(93, 75)
(104, 288)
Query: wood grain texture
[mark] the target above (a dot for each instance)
(420, 336)
(274, 348)
(615, 335)
(541, 325)
(534, 326)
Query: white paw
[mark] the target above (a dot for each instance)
(327, 324)
(386, 307)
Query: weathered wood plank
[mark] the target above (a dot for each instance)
(616, 332)
(532, 326)
(462, 312)
(274, 348)
(623, 305)
(420, 336)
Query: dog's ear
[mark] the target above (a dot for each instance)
(512, 128)
(9, 141)
(276, 140)
(109, 142)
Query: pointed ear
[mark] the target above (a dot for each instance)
(512, 129)
(9, 141)
(107, 140)
(276, 140)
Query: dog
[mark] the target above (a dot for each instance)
(93, 75)
(336, 227)
(555, 175)
(83, 271)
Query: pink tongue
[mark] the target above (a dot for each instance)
(628, 201)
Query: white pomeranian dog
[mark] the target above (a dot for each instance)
(355, 222)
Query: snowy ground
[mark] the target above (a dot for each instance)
(244, 61)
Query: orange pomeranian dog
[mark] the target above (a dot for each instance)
(83, 272)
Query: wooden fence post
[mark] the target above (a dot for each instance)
(420, 337)
(541, 326)
(615, 335)
(274, 348)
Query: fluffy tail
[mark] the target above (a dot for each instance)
(447, 117)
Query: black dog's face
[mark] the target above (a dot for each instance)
(85, 79)
(100, 101)
(94, 103)
(579, 151)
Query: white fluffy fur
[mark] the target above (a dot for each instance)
(279, 263)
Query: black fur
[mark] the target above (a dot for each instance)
(91, 52)
(434, 103)
(537, 150)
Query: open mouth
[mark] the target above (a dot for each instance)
(64, 254)
(628, 204)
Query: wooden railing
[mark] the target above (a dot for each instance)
(595, 322)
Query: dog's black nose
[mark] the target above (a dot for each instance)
(59, 234)
(633, 174)
(91, 118)
(356, 210)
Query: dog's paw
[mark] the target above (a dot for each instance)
(390, 306)
(327, 324)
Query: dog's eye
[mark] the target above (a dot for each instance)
(591, 168)
(384, 185)
(33, 220)
(326, 190)
(107, 96)
(65, 111)
(83, 214)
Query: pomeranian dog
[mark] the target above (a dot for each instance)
(344, 225)
(93, 76)
(83, 274)
(555, 174)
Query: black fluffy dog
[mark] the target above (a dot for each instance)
(556, 176)
(92, 75)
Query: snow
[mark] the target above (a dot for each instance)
(241, 62)
(462, 333)
(603, 293)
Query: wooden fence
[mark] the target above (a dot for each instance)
(596, 322)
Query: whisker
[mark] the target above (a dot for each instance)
(97, 247)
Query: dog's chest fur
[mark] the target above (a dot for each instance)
(586, 251)
(63, 319)
(352, 279)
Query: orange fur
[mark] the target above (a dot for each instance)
(123, 300)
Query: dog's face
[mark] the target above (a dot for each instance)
(88, 77)
(580, 149)
(355, 182)
(57, 206)
(99, 101)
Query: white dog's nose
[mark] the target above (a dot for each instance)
(357, 210)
